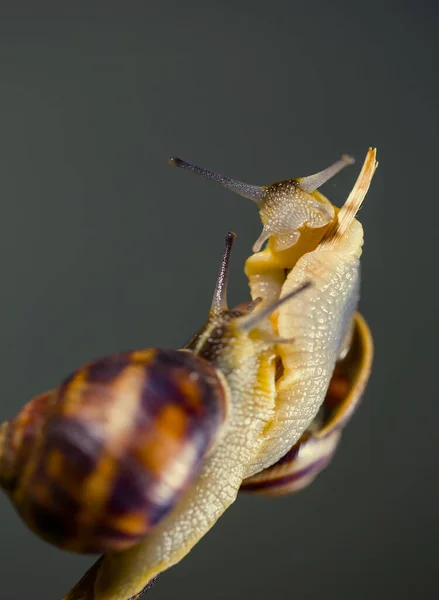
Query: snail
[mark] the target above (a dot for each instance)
(137, 455)
(325, 246)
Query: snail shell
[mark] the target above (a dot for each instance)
(96, 463)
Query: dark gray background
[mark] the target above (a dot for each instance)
(104, 248)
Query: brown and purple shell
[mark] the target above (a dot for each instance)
(316, 448)
(95, 464)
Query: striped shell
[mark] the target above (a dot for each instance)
(95, 464)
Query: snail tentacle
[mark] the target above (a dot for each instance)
(252, 192)
(312, 182)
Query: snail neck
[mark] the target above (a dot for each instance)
(211, 340)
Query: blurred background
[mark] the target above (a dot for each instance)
(104, 248)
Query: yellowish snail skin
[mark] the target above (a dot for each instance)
(315, 449)
(273, 383)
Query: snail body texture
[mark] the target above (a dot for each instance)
(315, 449)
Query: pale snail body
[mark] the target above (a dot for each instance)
(315, 449)
(262, 430)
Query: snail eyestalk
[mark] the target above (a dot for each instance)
(251, 321)
(252, 192)
(312, 182)
(253, 304)
(219, 302)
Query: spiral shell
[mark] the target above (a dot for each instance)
(95, 464)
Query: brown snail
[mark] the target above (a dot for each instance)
(255, 401)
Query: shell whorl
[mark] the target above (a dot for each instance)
(18, 438)
(99, 461)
